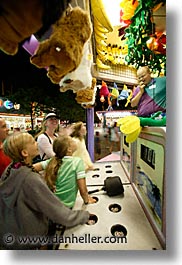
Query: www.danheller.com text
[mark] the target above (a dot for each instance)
(10, 239)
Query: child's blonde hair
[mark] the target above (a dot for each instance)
(60, 148)
(13, 146)
(76, 129)
(15, 143)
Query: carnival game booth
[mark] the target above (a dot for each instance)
(134, 218)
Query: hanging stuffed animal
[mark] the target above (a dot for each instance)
(63, 51)
(125, 94)
(105, 94)
(115, 92)
(113, 95)
(17, 24)
(80, 78)
(20, 19)
(104, 91)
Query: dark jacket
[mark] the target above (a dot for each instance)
(26, 205)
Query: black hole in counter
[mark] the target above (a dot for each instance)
(92, 220)
(118, 230)
(96, 176)
(109, 171)
(96, 169)
(96, 198)
(114, 208)
(108, 166)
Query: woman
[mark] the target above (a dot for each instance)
(47, 135)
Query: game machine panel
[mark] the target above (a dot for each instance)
(149, 177)
(127, 156)
(116, 223)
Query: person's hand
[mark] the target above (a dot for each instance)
(91, 200)
(142, 87)
(54, 189)
(89, 168)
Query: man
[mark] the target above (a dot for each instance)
(150, 95)
(4, 160)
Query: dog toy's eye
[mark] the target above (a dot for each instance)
(58, 49)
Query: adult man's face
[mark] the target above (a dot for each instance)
(144, 76)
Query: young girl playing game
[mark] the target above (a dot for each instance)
(65, 174)
(78, 133)
(26, 203)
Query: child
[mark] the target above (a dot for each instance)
(26, 203)
(78, 134)
(115, 137)
(4, 160)
(64, 173)
(97, 145)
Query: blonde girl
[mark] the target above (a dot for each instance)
(26, 203)
(78, 133)
(65, 174)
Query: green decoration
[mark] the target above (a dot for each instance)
(158, 119)
(137, 34)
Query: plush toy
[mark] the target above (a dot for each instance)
(113, 95)
(105, 94)
(115, 92)
(104, 91)
(63, 51)
(81, 77)
(20, 19)
(131, 125)
(86, 97)
(157, 119)
(125, 94)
